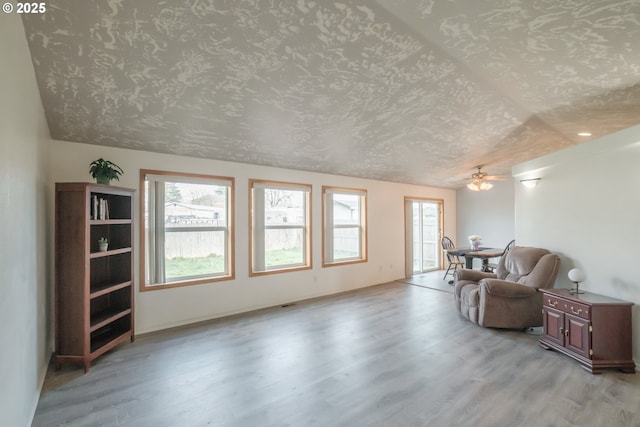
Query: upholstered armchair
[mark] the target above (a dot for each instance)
(508, 298)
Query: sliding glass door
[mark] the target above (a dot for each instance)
(423, 229)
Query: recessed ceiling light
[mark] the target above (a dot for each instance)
(584, 133)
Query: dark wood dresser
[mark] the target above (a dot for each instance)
(593, 329)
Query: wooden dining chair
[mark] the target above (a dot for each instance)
(455, 261)
(493, 265)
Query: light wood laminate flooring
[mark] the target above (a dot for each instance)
(433, 280)
(389, 355)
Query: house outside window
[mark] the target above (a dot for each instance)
(187, 234)
(344, 214)
(280, 222)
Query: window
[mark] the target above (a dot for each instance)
(280, 226)
(345, 231)
(187, 237)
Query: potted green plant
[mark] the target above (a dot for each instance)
(103, 244)
(104, 171)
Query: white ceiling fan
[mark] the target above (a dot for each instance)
(479, 180)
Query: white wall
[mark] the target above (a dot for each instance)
(24, 295)
(586, 208)
(171, 307)
(489, 214)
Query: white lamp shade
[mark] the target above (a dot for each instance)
(576, 275)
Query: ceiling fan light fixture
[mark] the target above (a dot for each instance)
(479, 185)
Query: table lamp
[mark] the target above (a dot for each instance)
(576, 276)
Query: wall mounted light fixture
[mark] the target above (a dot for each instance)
(530, 183)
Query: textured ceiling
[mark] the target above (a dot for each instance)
(415, 91)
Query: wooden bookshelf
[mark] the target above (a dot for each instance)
(94, 289)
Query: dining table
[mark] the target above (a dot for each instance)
(482, 253)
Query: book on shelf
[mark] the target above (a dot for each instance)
(100, 209)
(103, 209)
(94, 207)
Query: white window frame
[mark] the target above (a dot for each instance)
(329, 226)
(258, 227)
(152, 269)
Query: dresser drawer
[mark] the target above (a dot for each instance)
(555, 302)
(571, 307)
(578, 309)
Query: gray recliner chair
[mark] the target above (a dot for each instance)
(508, 298)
